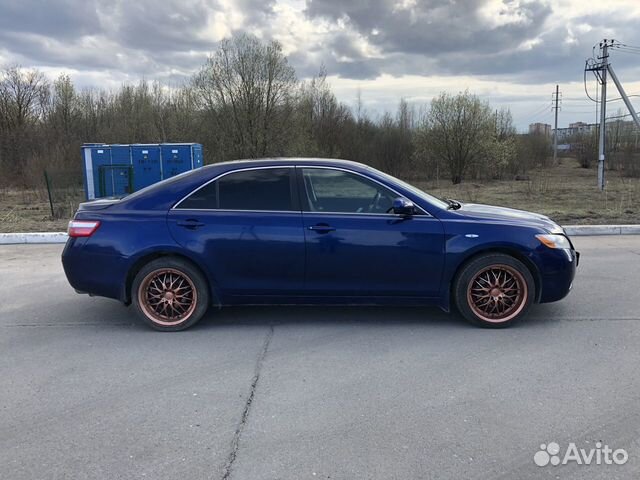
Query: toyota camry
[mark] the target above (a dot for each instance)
(312, 231)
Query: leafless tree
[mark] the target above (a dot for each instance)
(459, 127)
(247, 87)
(320, 119)
(23, 99)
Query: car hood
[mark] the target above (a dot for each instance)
(509, 215)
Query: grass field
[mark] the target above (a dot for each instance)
(565, 192)
(28, 211)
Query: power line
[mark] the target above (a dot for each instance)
(544, 115)
(568, 99)
(577, 111)
(540, 113)
(622, 47)
(591, 64)
(537, 111)
(609, 99)
(620, 44)
(620, 116)
(585, 83)
(632, 52)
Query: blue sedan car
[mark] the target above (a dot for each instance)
(311, 231)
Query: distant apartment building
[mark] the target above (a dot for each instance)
(576, 128)
(540, 129)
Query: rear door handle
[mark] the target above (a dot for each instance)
(322, 228)
(190, 223)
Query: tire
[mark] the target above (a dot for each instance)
(170, 294)
(494, 290)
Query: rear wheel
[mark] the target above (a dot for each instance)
(170, 294)
(494, 290)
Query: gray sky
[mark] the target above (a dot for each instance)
(510, 52)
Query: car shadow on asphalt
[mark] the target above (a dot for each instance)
(115, 315)
(109, 313)
(328, 315)
(431, 317)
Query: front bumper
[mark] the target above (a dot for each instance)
(557, 273)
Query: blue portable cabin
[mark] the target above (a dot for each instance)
(116, 179)
(180, 157)
(119, 169)
(147, 165)
(94, 157)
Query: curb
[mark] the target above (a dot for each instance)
(585, 230)
(33, 237)
(572, 230)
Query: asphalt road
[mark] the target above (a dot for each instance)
(88, 392)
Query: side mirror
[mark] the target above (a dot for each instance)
(403, 206)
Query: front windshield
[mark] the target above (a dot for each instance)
(415, 190)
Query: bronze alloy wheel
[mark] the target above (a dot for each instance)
(497, 293)
(167, 296)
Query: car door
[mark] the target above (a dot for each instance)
(246, 226)
(355, 245)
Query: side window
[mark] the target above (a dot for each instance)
(338, 191)
(260, 189)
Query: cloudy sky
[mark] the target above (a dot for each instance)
(510, 52)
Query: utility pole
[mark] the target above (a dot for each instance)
(603, 112)
(556, 107)
(601, 69)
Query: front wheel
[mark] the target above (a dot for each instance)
(170, 294)
(494, 290)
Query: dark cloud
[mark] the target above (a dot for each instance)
(456, 36)
(521, 42)
(434, 26)
(449, 37)
(256, 10)
(63, 19)
(30, 49)
(169, 25)
(145, 37)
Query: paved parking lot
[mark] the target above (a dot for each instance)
(87, 391)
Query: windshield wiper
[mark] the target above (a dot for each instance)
(453, 204)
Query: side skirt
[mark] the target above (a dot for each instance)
(336, 301)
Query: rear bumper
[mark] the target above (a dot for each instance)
(100, 274)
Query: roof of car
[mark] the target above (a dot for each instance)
(291, 161)
(189, 180)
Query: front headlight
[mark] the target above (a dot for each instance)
(552, 240)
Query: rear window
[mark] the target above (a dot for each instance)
(256, 190)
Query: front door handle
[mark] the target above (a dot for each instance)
(322, 228)
(190, 223)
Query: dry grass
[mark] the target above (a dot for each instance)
(27, 211)
(565, 192)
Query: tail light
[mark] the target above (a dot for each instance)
(82, 228)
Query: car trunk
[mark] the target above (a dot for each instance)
(99, 204)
